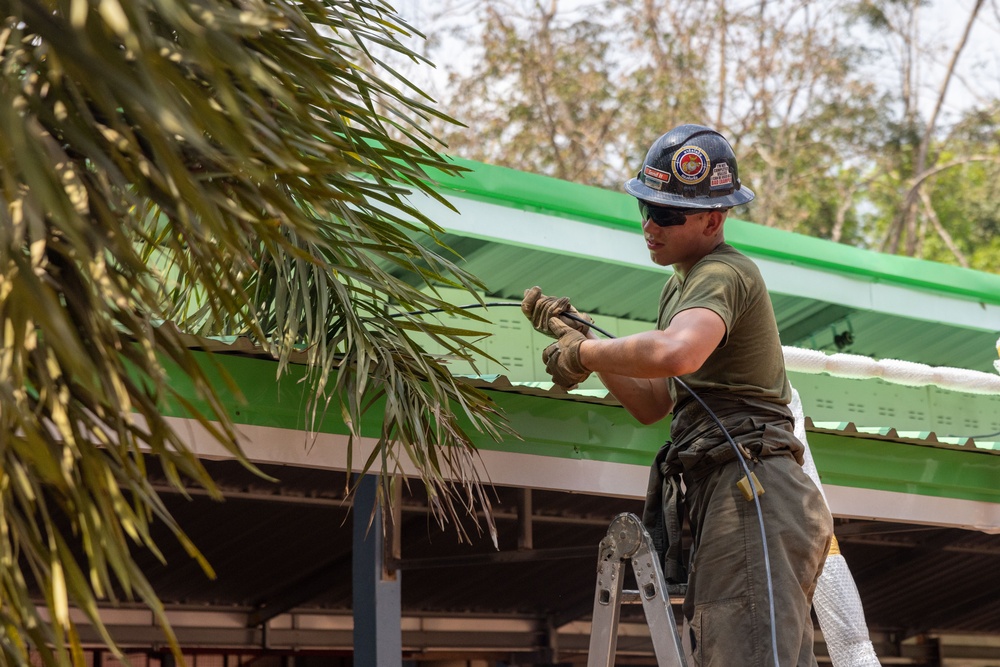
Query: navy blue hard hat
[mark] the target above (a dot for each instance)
(691, 166)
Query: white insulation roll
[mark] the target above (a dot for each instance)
(897, 371)
(836, 601)
(996, 364)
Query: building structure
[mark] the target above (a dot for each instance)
(893, 358)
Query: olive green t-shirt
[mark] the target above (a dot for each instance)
(749, 361)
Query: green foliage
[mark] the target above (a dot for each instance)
(582, 95)
(966, 197)
(540, 94)
(231, 170)
(826, 103)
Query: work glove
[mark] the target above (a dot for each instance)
(540, 309)
(562, 358)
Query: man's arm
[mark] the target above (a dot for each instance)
(648, 400)
(634, 368)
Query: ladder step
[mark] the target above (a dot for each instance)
(634, 597)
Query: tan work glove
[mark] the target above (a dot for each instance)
(562, 358)
(540, 309)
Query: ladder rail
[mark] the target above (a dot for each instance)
(607, 610)
(656, 606)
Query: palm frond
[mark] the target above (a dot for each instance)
(229, 167)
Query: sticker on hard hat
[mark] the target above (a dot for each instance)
(690, 165)
(721, 176)
(655, 178)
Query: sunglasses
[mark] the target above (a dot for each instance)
(665, 216)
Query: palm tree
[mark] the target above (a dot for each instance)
(175, 169)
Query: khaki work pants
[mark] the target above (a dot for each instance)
(727, 599)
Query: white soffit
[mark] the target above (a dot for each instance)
(541, 231)
(270, 445)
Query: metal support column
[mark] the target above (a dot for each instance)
(525, 527)
(378, 638)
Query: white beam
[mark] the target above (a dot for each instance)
(269, 445)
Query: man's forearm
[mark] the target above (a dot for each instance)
(648, 400)
(678, 350)
(651, 354)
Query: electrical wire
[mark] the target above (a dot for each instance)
(443, 310)
(974, 437)
(741, 455)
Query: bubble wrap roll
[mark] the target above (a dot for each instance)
(836, 600)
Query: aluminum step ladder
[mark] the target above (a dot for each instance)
(627, 539)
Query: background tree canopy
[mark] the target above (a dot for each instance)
(870, 122)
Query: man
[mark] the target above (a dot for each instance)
(716, 332)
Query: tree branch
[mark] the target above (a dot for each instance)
(941, 231)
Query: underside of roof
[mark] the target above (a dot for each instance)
(283, 555)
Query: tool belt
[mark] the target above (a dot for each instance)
(696, 448)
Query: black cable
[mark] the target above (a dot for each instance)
(503, 303)
(442, 310)
(973, 437)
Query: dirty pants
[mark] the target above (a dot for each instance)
(727, 598)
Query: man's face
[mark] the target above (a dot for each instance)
(676, 243)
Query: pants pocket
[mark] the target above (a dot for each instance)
(723, 634)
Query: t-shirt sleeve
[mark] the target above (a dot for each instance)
(717, 287)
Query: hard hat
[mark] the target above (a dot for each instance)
(691, 166)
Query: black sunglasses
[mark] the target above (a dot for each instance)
(665, 216)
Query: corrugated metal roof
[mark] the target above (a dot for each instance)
(612, 290)
(501, 383)
(887, 433)
(561, 199)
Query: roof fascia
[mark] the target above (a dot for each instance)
(587, 432)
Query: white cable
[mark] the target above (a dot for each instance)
(836, 600)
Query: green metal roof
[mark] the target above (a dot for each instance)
(533, 192)
(514, 229)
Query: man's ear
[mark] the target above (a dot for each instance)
(715, 220)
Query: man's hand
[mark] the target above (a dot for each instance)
(540, 309)
(562, 358)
